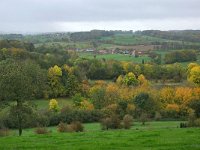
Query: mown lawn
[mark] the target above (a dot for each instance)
(153, 136)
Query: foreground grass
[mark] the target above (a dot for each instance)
(155, 135)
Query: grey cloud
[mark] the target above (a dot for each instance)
(18, 12)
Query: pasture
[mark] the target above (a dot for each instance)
(154, 135)
(119, 57)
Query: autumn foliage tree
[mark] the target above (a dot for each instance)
(54, 77)
(194, 73)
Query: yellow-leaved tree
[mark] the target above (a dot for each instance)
(53, 105)
(194, 74)
(142, 80)
(54, 77)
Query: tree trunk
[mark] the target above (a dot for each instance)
(19, 116)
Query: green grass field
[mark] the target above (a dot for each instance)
(119, 57)
(153, 136)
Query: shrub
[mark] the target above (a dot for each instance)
(73, 127)
(127, 121)
(109, 110)
(78, 115)
(66, 109)
(77, 99)
(130, 109)
(183, 125)
(63, 127)
(195, 105)
(42, 120)
(4, 132)
(143, 118)
(157, 116)
(77, 126)
(197, 122)
(41, 130)
(112, 122)
(191, 119)
(172, 111)
(106, 123)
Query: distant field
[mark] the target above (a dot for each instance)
(65, 45)
(154, 136)
(119, 57)
(133, 39)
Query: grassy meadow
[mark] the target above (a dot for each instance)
(154, 135)
(44, 103)
(119, 57)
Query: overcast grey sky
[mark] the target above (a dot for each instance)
(25, 16)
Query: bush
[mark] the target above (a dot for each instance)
(63, 127)
(112, 122)
(191, 119)
(76, 115)
(106, 123)
(77, 126)
(183, 125)
(157, 116)
(197, 122)
(127, 121)
(143, 118)
(42, 120)
(4, 132)
(73, 127)
(41, 130)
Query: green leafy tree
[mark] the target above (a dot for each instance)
(144, 103)
(17, 83)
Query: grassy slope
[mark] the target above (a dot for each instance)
(119, 57)
(155, 135)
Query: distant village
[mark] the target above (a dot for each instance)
(135, 51)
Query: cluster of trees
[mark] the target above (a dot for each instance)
(131, 94)
(168, 102)
(45, 57)
(11, 36)
(95, 34)
(38, 38)
(26, 75)
(102, 69)
(180, 56)
(91, 35)
(17, 44)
